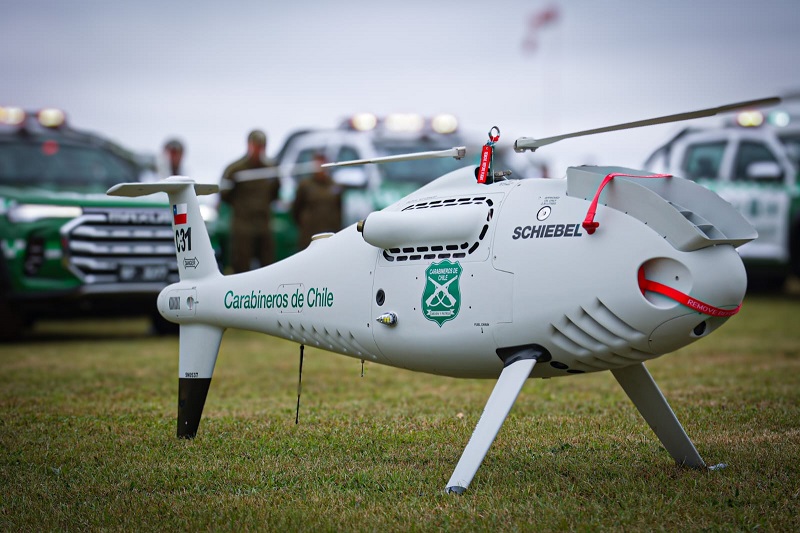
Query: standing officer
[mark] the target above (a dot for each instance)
(170, 161)
(317, 205)
(173, 152)
(250, 185)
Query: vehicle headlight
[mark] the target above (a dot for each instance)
(34, 212)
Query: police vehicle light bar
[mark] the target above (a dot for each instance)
(363, 121)
(12, 116)
(443, 123)
(49, 117)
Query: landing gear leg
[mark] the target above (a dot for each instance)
(646, 396)
(494, 414)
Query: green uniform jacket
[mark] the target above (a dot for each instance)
(317, 208)
(250, 199)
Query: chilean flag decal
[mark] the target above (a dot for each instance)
(179, 213)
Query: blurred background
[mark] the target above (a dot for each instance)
(142, 72)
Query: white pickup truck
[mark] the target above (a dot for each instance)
(752, 162)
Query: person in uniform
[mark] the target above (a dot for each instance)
(249, 185)
(173, 153)
(168, 163)
(317, 205)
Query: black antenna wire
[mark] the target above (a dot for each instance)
(299, 386)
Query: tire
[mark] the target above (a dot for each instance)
(13, 323)
(794, 248)
(765, 281)
(161, 326)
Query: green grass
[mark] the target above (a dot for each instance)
(87, 439)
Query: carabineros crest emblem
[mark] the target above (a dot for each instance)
(441, 299)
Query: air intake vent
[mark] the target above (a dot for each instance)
(327, 338)
(702, 225)
(599, 338)
(445, 250)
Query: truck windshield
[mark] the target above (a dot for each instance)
(421, 171)
(59, 166)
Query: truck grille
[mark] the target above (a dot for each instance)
(127, 246)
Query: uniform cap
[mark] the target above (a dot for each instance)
(173, 145)
(257, 137)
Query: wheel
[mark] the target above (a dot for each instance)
(13, 323)
(765, 281)
(794, 248)
(161, 326)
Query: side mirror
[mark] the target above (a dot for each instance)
(764, 170)
(350, 177)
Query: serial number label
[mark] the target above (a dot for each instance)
(183, 240)
(190, 374)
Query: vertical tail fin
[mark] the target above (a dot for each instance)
(199, 346)
(199, 343)
(196, 257)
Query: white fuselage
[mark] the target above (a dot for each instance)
(512, 267)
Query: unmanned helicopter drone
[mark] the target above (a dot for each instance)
(483, 277)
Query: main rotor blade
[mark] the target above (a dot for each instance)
(529, 143)
(456, 152)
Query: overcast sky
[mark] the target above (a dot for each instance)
(208, 72)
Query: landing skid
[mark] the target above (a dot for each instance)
(635, 381)
(494, 414)
(646, 396)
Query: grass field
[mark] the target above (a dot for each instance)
(87, 439)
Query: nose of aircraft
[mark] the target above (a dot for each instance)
(702, 289)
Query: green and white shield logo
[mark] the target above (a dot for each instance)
(441, 299)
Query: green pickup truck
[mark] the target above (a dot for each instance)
(67, 249)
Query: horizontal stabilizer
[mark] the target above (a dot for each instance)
(689, 216)
(169, 185)
(195, 255)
